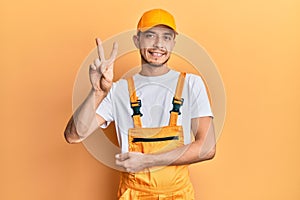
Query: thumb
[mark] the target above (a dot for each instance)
(122, 156)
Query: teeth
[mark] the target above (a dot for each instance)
(157, 54)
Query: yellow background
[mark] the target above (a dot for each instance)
(255, 45)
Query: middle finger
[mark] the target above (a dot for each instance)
(97, 62)
(100, 49)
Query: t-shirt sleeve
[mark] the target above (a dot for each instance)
(105, 109)
(200, 105)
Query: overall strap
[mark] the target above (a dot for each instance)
(177, 100)
(135, 104)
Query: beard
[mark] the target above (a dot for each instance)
(153, 64)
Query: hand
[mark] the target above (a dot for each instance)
(132, 161)
(101, 71)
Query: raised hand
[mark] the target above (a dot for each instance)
(101, 71)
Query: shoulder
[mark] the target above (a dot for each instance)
(193, 79)
(121, 83)
(119, 88)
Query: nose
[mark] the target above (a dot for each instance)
(158, 43)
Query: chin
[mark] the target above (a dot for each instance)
(155, 63)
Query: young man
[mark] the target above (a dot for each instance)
(155, 113)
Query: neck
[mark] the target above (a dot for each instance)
(149, 70)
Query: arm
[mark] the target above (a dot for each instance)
(203, 148)
(85, 120)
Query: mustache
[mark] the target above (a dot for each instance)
(154, 64)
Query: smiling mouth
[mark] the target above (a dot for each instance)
(156, 53)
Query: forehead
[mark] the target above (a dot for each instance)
(161, 29)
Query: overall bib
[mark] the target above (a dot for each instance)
(167, 182)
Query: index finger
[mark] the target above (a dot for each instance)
(100, 49)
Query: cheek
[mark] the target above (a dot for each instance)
(144, 45)
(170, 47)
(143, 52)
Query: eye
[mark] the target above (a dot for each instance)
(149, 35)
(167, 37)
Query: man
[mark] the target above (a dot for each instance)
(155, 112)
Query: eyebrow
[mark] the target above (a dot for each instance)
(169, 34)
(148, 31)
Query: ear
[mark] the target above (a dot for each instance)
(136, 41)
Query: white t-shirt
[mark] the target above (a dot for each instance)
(156, 94)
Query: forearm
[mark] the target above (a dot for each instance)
(203, 148)
(84, 122)
(187, 154)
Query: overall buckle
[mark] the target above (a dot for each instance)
(177, 103)
(136, 106)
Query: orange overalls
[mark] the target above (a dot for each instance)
(167, 182)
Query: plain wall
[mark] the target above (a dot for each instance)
(255, 45)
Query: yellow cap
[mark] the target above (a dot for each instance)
(156, 17)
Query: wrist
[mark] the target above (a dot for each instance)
(98, 96)
(98, 93)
